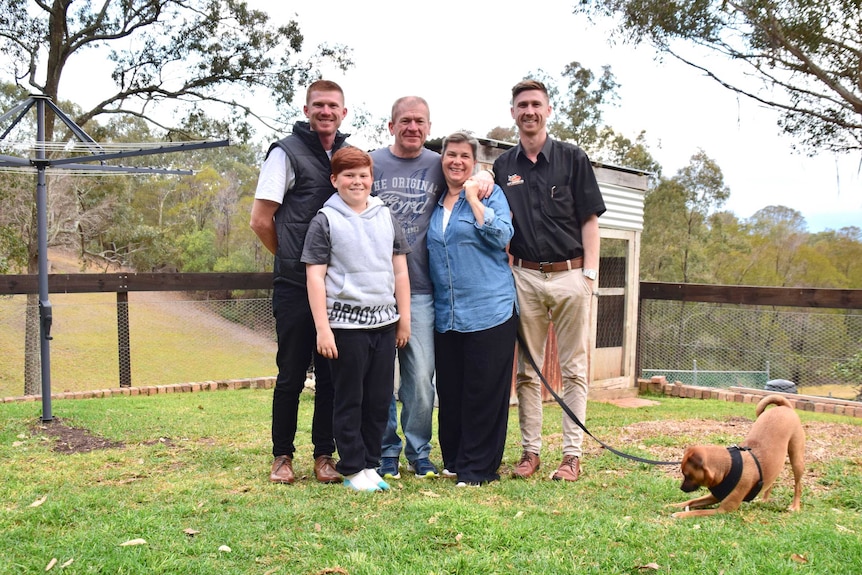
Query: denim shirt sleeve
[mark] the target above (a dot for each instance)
(498, 229)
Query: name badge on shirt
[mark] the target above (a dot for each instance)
(514, 180)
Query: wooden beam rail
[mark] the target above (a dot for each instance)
(754, 295)
(129, 282)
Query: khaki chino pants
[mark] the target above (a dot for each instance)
(563, 298)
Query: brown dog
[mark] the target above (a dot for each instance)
(733, 474)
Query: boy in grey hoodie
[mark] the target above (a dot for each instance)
(359, 294)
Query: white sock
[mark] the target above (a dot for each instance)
(375, 478)
(359, 482)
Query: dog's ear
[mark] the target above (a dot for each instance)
(699, 462)
(693, 458)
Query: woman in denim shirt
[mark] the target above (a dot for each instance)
(475, 317)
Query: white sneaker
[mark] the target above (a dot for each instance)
(449, 474)
(375, 479)
(359, 482)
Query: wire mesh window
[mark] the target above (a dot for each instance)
(611, 313)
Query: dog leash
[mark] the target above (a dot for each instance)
(577, 421)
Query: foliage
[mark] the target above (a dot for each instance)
(674, 243)
(503, 134)
(188, 52)
(850, 371)
(804, 53)
(197, 251)
(578, 112)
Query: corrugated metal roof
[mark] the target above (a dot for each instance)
(625, 207)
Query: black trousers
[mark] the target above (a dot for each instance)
(474, 380)
(297, 341)
(363, 378)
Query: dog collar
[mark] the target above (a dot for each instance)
(727, 485)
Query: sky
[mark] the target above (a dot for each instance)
(464, 57)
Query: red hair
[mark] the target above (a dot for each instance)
(349, 158)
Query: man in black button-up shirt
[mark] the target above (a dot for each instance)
(555, 202)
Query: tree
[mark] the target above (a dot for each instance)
(185, 51)
(578, 113)
(805, 54)
(664, 217)
(778, 234)
(675, 222)
(503, 134)
(850, 371)
(614, 148)
(843, 248)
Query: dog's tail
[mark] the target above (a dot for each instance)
(771, 400)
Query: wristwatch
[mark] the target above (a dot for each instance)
(590, 274)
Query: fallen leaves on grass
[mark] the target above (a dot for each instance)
(39, 502)
(649, 567)
(225, 549)
(333, 571)
(132, 542)
(799, 558)
(427, 493)
(190, 532)
(51, 564)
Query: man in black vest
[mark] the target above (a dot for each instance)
(293, 184)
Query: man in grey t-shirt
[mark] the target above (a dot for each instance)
(407, 177)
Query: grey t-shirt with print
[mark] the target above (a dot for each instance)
(409, 187)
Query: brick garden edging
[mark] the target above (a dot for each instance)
(660, 385)
(251, 383)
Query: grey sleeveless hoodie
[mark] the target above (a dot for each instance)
(360, 281)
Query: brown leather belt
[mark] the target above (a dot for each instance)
(548, 267)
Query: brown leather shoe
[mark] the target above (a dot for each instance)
(324, 469)
(569, 469)
(527, 466)
(282, 470)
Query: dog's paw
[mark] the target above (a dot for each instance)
(682, 513)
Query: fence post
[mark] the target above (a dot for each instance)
(767, 370)
(694, 361)
(124, 353)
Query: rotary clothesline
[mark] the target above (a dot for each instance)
(40, 164)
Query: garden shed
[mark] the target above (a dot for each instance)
(615, 311)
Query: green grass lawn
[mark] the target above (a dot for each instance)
(192, 476)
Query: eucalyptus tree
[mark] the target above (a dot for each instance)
(676, 222)
(187, 52)
(801, 57)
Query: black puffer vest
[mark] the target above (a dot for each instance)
(301, 203)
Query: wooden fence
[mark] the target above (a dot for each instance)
(123, 283)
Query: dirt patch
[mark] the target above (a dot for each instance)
(68, 439)
(667, 440)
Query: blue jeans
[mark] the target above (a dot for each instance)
(416, 362)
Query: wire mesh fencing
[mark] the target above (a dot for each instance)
(742, 345)
(171, 338)
(174, 338)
